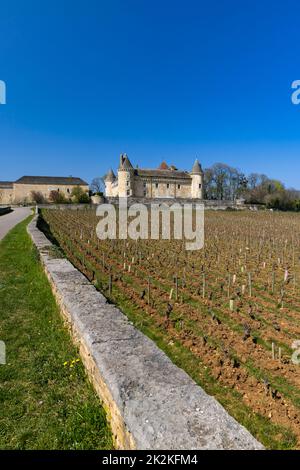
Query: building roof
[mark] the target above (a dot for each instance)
(170, 174)
(196, 170)
(6, 184)
(110, 176)
(56, 180)
(163, 166)
(125, 163)
(163, 171)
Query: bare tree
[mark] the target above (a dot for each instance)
(98, 185)
(222, 181)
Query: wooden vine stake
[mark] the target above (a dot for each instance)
(203, 285)
(282, 297)
(229, 286)
(110, 285)
(176, 288)
(250, 284)
(273, 351)
(149, 290)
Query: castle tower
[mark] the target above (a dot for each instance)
(197, 181)
(125, 177)
(109, 180)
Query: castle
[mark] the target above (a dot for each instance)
(163, 182)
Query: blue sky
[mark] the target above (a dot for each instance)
(155, 79)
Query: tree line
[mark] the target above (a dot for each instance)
(223, 182)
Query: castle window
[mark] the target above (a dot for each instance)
(156, 185)
(179, 186)
(145, 192)
(58, 190)
(168, 185)
(68, 190)
(200, 186)
(145, 185)
(128, 192)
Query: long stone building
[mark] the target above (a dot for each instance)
(164, 182)
(25, 189)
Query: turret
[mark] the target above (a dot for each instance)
(109, 180)
(197, 181)
(125, 177)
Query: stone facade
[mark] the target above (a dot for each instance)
(163, 182)
(6, 192)
(21, 191)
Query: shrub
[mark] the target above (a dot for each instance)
(37, 197)
(57, 197)
(79, 196)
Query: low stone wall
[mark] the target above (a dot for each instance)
(73, 207)
(151, 403)
(215, 205)
(212, 205)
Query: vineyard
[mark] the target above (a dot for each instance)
(227, 314)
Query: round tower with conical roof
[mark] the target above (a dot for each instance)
(197, 181)
(109, 180)
(125, 177)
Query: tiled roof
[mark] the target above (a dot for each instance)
(163, 166)
(6, 184)
(56, 180)
(197, 170)
(110, 176)
(125, 163)
(172, 174)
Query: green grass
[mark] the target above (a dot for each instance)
(46, 401)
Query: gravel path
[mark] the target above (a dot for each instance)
(8, 221)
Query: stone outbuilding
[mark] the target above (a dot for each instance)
(26, 188)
